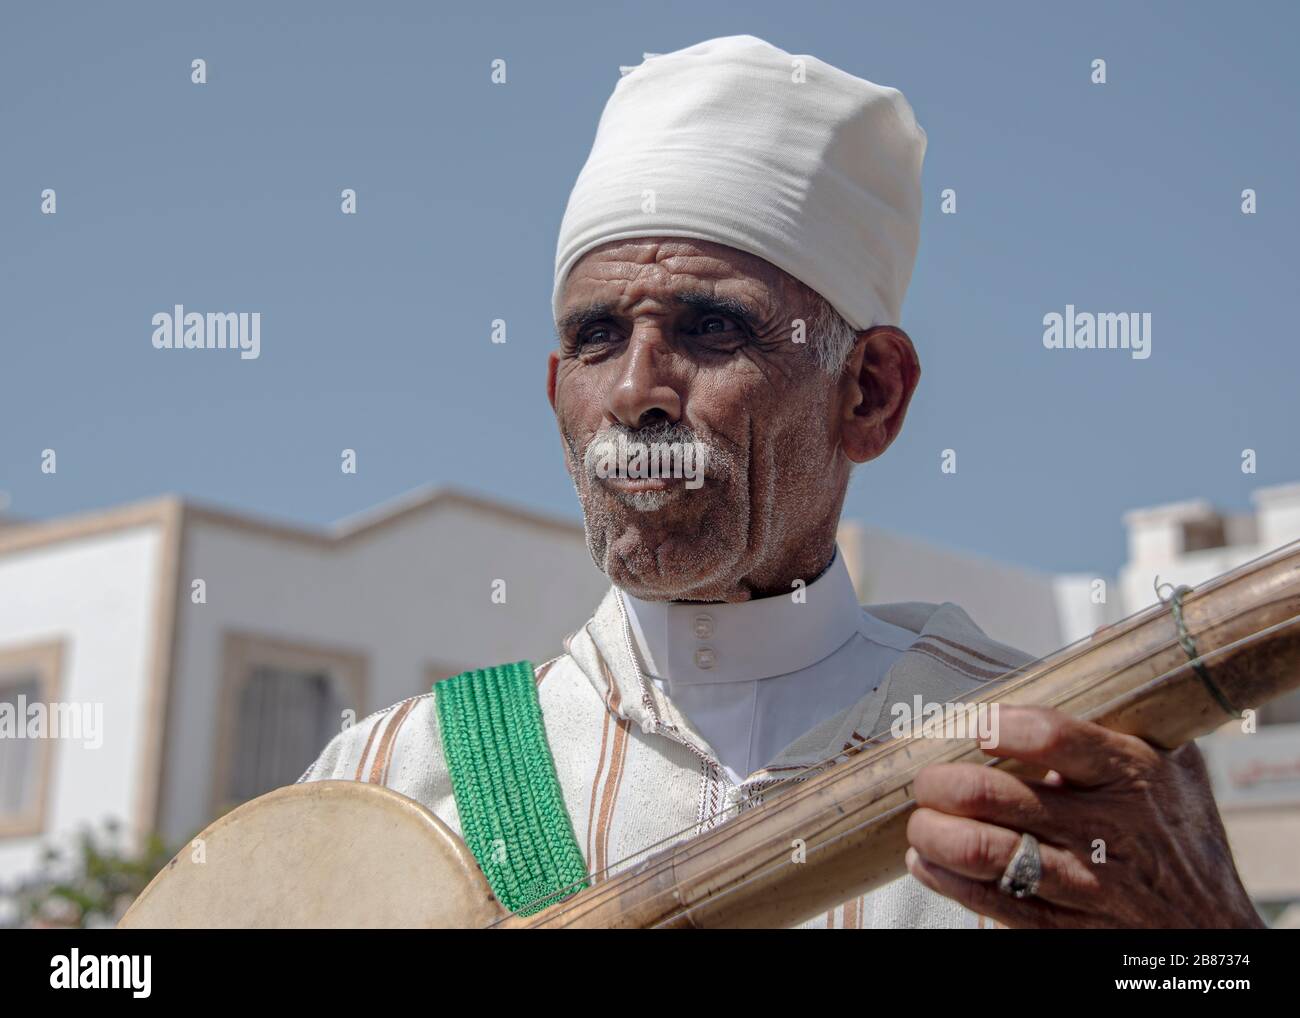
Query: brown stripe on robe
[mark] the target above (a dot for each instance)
(383, 755)
(598, 837)
(938, 653)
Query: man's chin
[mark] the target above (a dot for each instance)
(657, 566)
(660, 542)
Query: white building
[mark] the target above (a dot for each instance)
(221, 650)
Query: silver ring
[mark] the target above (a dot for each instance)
(1024, 871)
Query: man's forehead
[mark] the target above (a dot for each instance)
(623, 273)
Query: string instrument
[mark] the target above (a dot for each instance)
(348, 854)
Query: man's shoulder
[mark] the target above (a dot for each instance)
(948, 625)
(405, 739)
(911, 615)
(364, 751)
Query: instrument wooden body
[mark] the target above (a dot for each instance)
(307, 855)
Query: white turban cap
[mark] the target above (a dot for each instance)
(786, 157)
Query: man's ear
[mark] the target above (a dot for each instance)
(552, 364)
(875, 389)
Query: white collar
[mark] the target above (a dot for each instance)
(688, 644)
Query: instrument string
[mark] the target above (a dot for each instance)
(872, 741)
(1064, 656)
(881, 818)
(1135, 693)
(601, 892)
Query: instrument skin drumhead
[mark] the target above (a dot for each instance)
(336, 854)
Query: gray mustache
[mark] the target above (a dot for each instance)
(654, 440)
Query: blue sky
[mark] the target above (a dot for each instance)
(375, 327)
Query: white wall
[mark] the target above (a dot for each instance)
(407, 596)
(1033, 612)
(1078, 613)
(1137, 579)
(97, 595)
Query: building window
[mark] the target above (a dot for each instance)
(282, 703)
(18, 754)
(28, 675)
(285, 718)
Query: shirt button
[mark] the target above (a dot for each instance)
(705, 658)
(704, 627)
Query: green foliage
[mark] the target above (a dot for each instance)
(89, 884)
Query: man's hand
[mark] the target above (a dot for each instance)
(1167, 862)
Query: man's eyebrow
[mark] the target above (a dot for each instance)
(584, 315)
(712, 304)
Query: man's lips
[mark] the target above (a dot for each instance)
(635, 484)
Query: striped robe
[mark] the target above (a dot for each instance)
(635, 773)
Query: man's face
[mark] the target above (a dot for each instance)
(671, 340)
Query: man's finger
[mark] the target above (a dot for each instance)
(981, 851)
(986, 899)
(986, 793)
(1081, 752)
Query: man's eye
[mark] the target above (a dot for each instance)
(593, 337)
(719, 328)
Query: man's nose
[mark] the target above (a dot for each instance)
(644, 390)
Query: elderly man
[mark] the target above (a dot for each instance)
(729, 277)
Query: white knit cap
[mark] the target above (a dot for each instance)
(819, 176)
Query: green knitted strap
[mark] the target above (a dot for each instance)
(512, 813)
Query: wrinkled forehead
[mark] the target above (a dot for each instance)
(626, 273)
